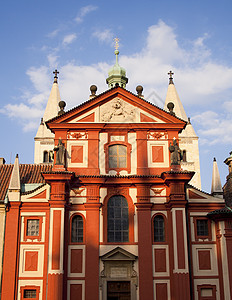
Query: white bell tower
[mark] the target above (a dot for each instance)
(44, 139)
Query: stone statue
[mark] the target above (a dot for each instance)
(176, 154)
(60, 153)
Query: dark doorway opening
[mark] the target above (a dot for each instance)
(118, 290)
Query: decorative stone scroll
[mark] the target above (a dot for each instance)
(77, 135)
(76, 192)
(158, 191)
(156, 135)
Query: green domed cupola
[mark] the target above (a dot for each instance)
(117, 74)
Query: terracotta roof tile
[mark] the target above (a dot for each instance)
(29, 173)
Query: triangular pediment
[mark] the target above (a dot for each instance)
(116, 106)
(118, 254)
(195, 195)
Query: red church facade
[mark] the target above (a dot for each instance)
(115, 218)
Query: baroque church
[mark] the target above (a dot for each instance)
(112, 207)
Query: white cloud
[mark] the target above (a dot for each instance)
(22, 111)
(53, 33)
(84, 11)
(214, 129)
(26, 115)
(104, 35)
(52, 60)
(199, 82)
(68, 39)
(228, 106)
(39, 78)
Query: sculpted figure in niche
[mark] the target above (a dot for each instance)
(176, 153)
(60, 153)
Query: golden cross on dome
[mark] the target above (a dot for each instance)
(116, 43)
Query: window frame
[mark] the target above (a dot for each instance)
(206, 286)
(121, 218)
(33, 237)
(128, 156)
(202, 237)
(29, 287)
(131, 211)
(45, 156)
(165, 229)
(70, 234)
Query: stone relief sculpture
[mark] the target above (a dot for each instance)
(117, 111)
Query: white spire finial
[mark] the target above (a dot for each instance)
(216, 187)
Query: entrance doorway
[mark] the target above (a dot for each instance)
(118, 290)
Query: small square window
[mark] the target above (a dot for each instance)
(32, 227)
(29, 292)
(202, 228)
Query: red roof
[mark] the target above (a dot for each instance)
(28, 174)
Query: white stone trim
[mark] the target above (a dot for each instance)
(96, 116)
(199, 214)
(213, 260)
(84, 144)
(72, 212)
(207, 281)
(25, 283)
(23, 224)
(167, 273)
(103, 249)
(225, 269)
(163, 212)
(168, 287)
(27, 197)
(133, 155)
(165, 163)
(103, 139)
(150, 116)
(36, 248)
(133, 195)
(32, 214)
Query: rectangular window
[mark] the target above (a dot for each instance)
(117, 156)
(202, 228)
(33, 227)
(29, 294)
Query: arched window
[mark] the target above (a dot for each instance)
(117, 156)
(184, 156)
(117, 220)
(51, 155)
(159, 230)
(45, 156)
(77, 235)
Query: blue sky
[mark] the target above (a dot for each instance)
(193, 38)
